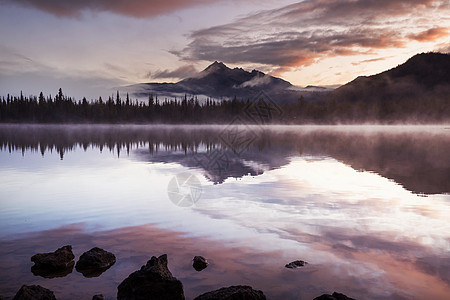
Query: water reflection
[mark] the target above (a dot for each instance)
(366, 207)
(415, 157)
(93, 272)
(364, 273)
(48, 273)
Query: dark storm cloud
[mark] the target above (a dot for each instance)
(133, 8)
(181, 72)
(303, 33)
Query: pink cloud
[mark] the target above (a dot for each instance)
(430, 35)
(304, 33)
(133, 8)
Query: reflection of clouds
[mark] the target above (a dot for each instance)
(363, 274)
(350, 220)
(355, 199)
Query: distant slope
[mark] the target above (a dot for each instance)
(220, 82)
(424, 76)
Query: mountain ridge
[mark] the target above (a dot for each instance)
(221, 82)
(424, 75)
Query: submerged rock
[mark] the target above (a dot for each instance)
(94, 262)
(53, 264)
(200, 263)
(238, 292)
(34, 292)
(98, 297)
(335, 296)
(296, 264)
(152, 281)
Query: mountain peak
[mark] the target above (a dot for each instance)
(216, 66)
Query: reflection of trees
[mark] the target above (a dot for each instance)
(66, 138)
(418, 161)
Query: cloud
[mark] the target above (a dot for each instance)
(303, 33)
(430, 35)
(256, 81)
(133, 8)
(19, 72)
(370, 60)
(303, 49)
(181, 72)
(443, 48)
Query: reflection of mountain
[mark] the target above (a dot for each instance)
(218, 81)
(418, 160)
(219, 164)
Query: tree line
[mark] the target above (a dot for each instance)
(64, 109)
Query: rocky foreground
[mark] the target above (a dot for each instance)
(153, 281)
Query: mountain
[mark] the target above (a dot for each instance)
(221, 82)
(424, 76)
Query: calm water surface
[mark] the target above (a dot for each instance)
(367, 206)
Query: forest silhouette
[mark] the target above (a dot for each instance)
(65, 109)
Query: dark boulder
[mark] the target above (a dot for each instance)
(34, 292)
(335, 296)
(152, 281)
(199, 263)
(94, 262)
(240, 292)
(53, 264)
(98, 297)
(296, 264)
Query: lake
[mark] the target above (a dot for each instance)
(368, 207)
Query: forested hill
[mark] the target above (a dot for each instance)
(423, 78)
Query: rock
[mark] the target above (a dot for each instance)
(34, 292)
(98, 297)
(296, 264)
(335, 296)
(94, 262)
(152, 281)
(233, 293)
(60, 259)
(53, 264)
(200, 263)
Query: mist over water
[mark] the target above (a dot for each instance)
(366, 206)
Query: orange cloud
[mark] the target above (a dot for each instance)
(304, 33)
(430, 35)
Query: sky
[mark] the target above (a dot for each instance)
(90, 48)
